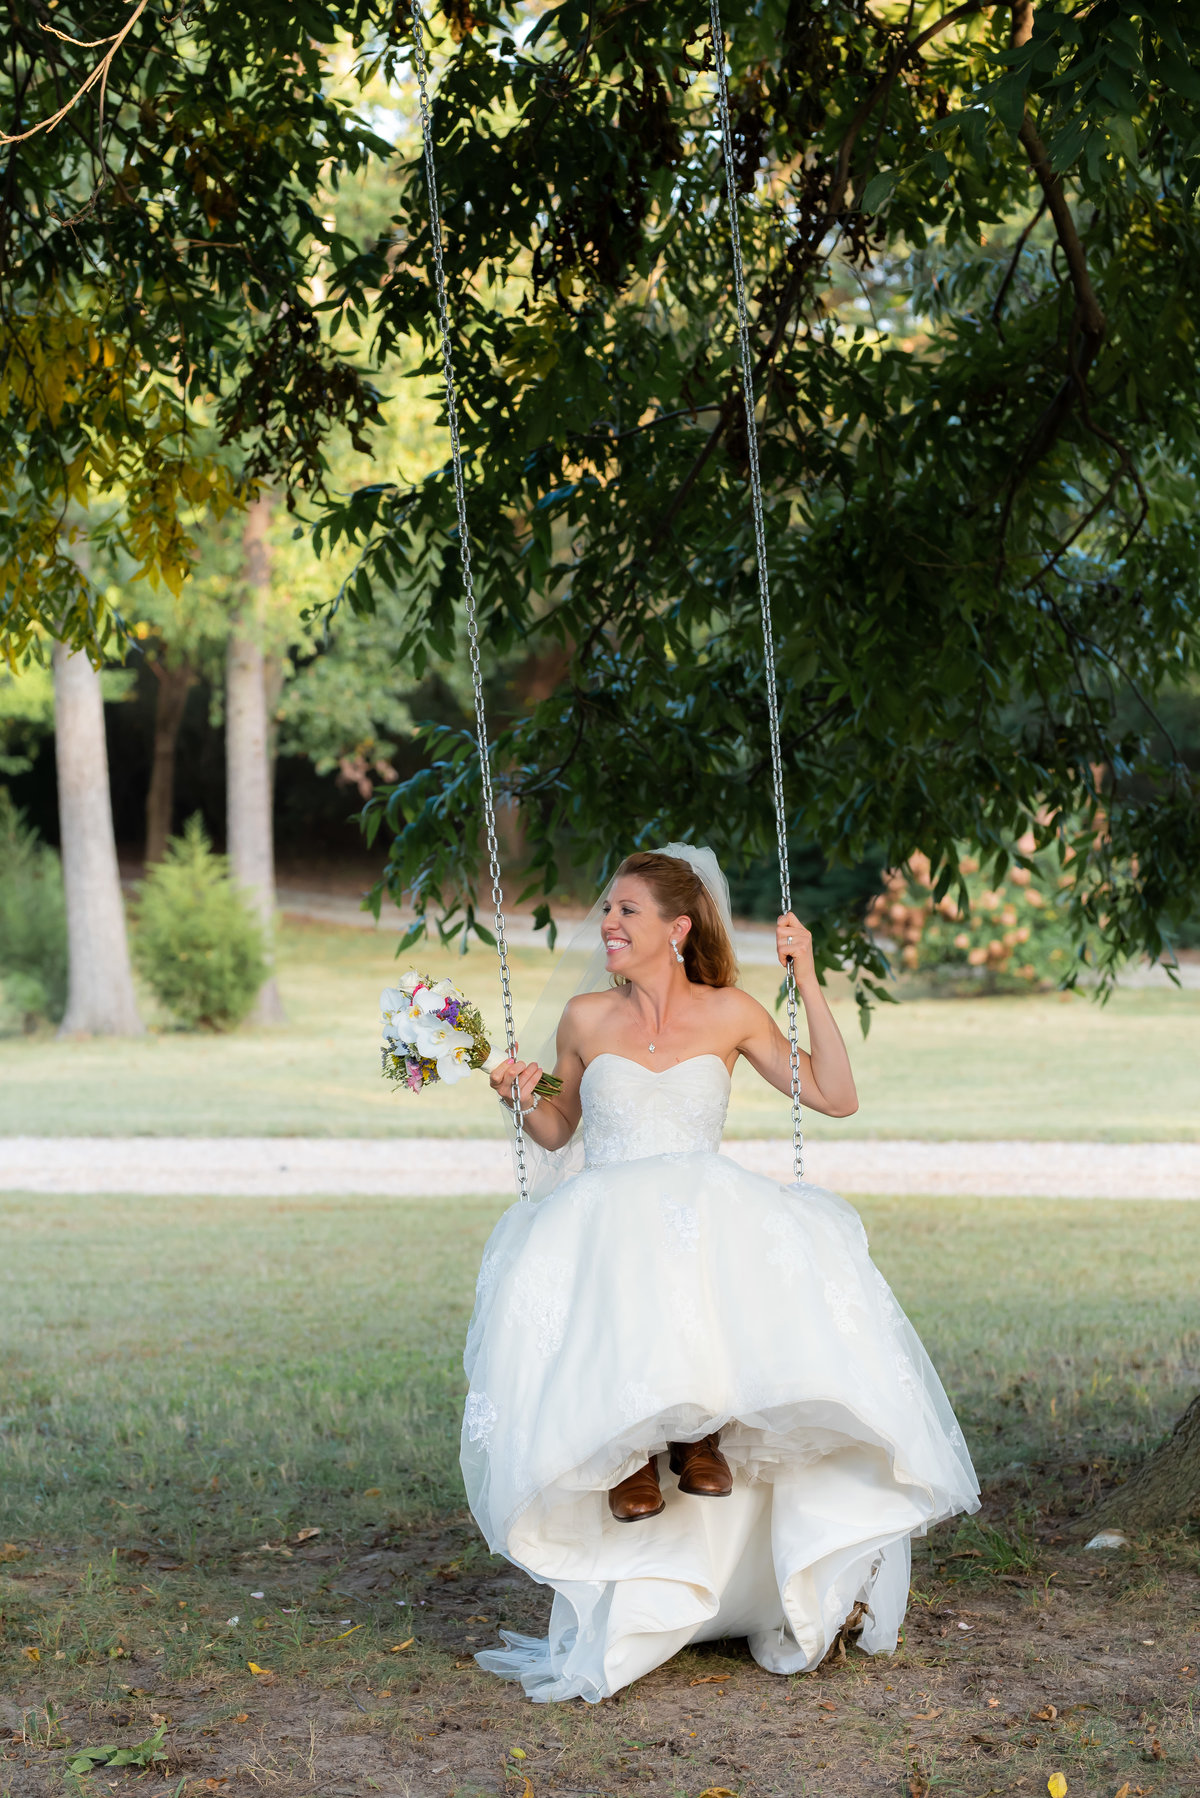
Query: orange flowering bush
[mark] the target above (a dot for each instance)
(1010, 937)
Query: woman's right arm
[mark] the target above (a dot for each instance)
(553, 1121)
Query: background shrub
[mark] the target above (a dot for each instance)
(1012, 938)
(198, 945)
(33, 925)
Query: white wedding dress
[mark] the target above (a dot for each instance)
(662, 1293)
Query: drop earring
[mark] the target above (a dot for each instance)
(675, 950)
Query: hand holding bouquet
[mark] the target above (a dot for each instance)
(431, 1031)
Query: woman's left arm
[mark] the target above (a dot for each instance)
(826, 1080)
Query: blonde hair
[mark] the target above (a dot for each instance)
(678, 892)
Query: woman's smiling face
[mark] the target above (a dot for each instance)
(634, 931)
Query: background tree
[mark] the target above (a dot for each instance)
(247, 748)
(976, 528)
(100, 996)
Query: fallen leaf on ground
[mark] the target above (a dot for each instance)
(1056, 1785)
(255, 1668)
(32, 1654)
(826, 1706)
(1124, 1791)
(342, 1637)
(306, 1535)
(710, 1679)
(401, 1646)
(1156, 1751)
(717, 1792)
(373, 1492)
(921, 1716)
(1047, 1714)
(10, 1552)
(242, 1717)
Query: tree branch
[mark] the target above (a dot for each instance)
(794, 285)
(1014, 262)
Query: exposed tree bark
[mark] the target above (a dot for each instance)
(274, 671)
(175, 681)
(100, 996)
(1165, 1489)
(249, 819)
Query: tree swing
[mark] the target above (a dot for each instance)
(764, 593)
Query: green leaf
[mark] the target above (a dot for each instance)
(878, 189)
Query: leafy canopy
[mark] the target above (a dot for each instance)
(973, 261)
(161, 352)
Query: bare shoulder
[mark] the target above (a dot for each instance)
(581, 1016)
(735, 1010)
(732, 1002)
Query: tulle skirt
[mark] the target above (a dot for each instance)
(657, 1300)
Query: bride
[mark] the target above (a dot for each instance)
(665, 1329)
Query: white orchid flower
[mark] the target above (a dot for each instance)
(400, 1032)
(408, 983)
(435, 1038)
(456, 1064)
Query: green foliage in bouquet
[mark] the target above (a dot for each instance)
(33, 926)
(1013, 936)
(198, 945)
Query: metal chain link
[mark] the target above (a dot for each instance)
(760, 544)
(460, 501)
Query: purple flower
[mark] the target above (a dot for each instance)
(450, 1013)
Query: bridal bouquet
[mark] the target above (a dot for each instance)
(431, 1031)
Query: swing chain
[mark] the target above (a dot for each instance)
(460, 501)
(760, 544)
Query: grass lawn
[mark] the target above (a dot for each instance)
(230, 1436)
(1047, 1067)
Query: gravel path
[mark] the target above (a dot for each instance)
(414, 1167)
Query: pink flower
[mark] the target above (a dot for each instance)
(416, 1078)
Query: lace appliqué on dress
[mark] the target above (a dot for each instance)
(790, 1244)
(839, 1299)
(537, 1300)
(682, 1224)
(480, 1417)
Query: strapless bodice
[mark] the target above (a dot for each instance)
(630, 1111)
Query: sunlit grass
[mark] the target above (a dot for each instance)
(1043, 1067)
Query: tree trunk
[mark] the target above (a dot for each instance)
(249, 823)
(274, 671)
(174, 684)
(1165, 1489)
(100, 997)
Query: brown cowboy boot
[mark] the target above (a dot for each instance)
(639, 1496)
(702, 1468)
